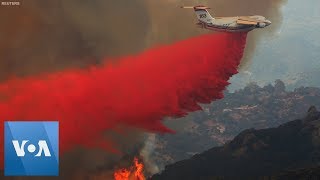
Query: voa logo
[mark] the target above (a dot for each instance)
(42, 146)
(31, 148)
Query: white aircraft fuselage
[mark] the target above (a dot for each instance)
(228, 24)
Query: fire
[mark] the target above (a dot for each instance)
(135, 172)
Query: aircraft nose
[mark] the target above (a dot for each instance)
(268, 22)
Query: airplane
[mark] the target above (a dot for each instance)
(228, 24)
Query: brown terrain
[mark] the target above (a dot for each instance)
(251, 107)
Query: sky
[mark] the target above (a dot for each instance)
(292, 54)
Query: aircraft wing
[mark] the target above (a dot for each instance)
(247, 20)
(240, 21)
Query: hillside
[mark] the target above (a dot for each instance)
(219, 122)
(256, 153)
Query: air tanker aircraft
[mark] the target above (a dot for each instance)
(228, 24)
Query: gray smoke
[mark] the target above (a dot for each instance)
(40, 36)
(170, 23)
(146, 153)
(44, 36)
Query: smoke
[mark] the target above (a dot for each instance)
(50, 36)
(96, 163)
(137, 91)
(170, 23)
(146, 153)
(42, 36)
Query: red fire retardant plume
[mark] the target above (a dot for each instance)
(138, 90)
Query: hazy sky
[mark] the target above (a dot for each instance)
(82, 33)
(292, 54)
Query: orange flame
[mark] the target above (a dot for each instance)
(135, 172)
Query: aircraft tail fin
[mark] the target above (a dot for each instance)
(201, 11)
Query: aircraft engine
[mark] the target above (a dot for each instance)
(261, 25)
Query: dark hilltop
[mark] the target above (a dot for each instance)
(286, 152)
(251, 107)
